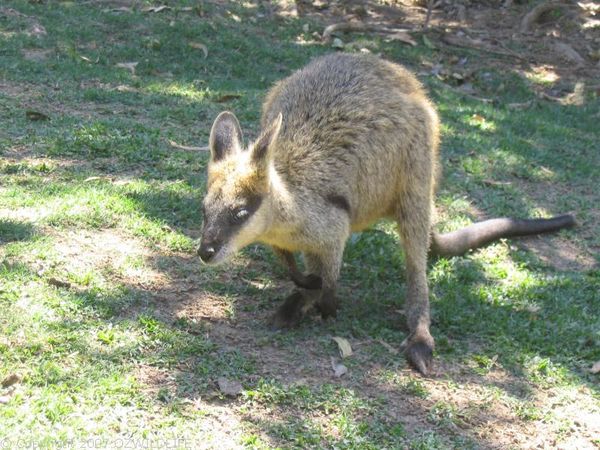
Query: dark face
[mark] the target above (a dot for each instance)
(223, 223)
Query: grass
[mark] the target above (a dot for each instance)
(117, 332)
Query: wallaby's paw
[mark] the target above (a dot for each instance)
(420, 355)
(290, 313)
(310, 281)
(327, 304)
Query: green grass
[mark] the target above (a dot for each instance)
(117, 332)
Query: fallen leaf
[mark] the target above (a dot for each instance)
(231, 388)
(477, 118)
(88, 179)
(155, 9)
(226, 97)
(11, 379)
(402, 36)
(86, 59)
(596, 367)
(36, 115)
(344, 346)
(128, 65)
(338, 368)
(199, 46)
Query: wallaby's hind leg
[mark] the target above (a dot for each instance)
(329, 270)
(414, 225)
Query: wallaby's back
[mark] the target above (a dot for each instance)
(357, 127)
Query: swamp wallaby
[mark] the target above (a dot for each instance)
(346, 141)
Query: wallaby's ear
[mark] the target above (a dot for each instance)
(225, 136)
(267, 138)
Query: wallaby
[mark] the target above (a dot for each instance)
(346, 141)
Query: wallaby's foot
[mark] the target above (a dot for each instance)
(327, 304)
(291, 312)
(419, 353)
(310, 281)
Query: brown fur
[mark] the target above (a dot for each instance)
(348, 140)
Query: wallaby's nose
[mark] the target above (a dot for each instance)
(206, 252)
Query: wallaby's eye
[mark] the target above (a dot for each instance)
(240, 214)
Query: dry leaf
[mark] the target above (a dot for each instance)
(338, 368)
(596, 367)
(86, 59)
(11, 379)
(229, 387)
(402, 36)
(36, 115)
(199, 46)
(128, 65)
(155, 9)
(344, 346)
(478, 118)
(88, 179)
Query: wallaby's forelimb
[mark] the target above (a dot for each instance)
(310, 281)
(480, 234)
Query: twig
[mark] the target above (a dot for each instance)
(431, 5)
(346, 27)
(188, 148)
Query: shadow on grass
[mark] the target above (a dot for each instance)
(16, 230)
(211, 323)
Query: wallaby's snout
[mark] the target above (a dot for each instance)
(207, 250)
(210, 243)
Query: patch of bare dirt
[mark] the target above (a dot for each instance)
(108, 252)
(560, 253)
(564, 37)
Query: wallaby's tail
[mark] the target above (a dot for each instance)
(482, 233)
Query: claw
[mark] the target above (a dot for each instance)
(420, 356)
